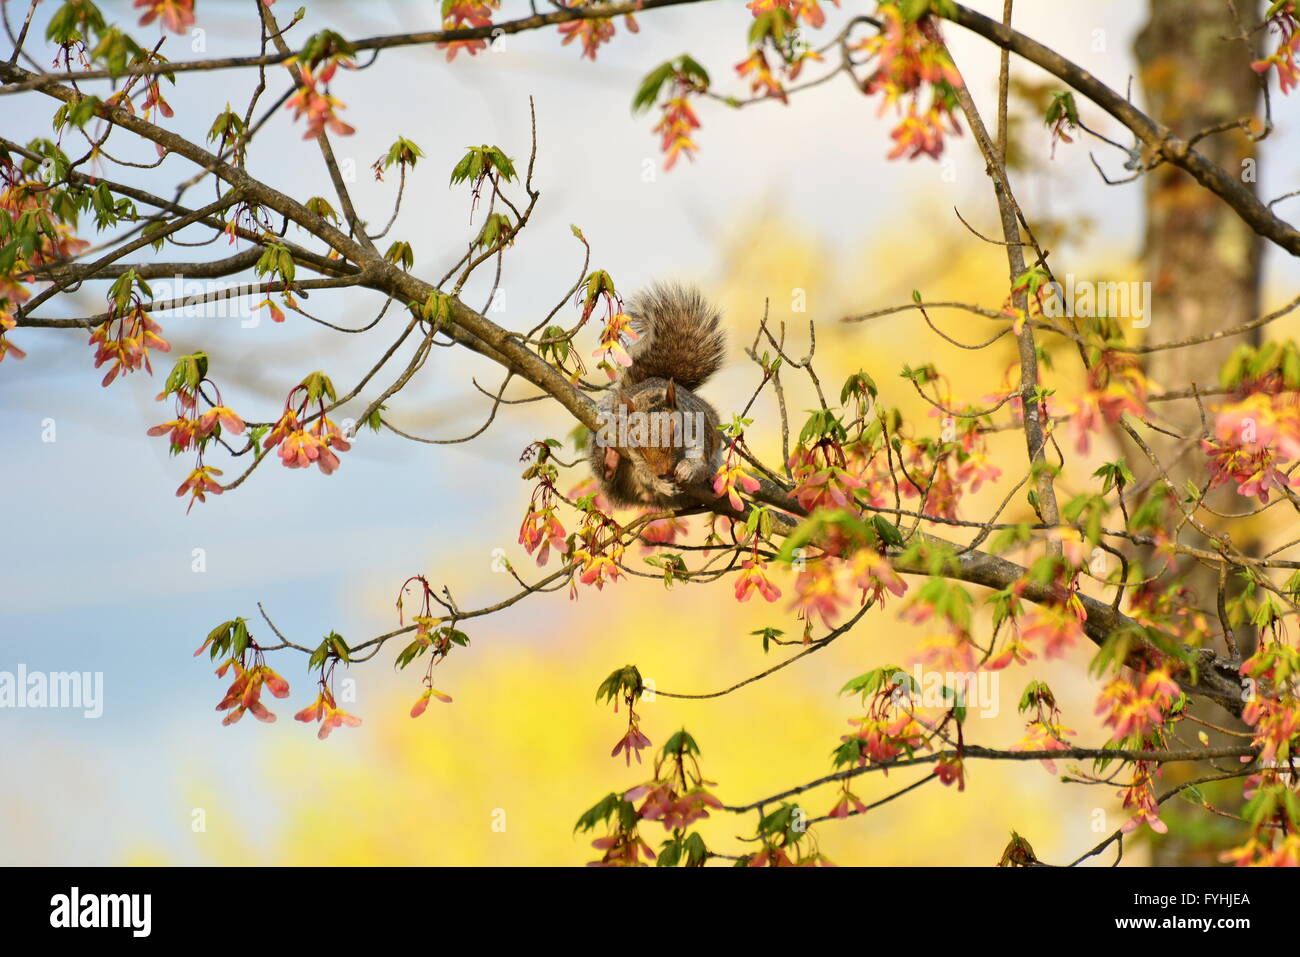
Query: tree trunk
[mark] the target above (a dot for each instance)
(1201, 258)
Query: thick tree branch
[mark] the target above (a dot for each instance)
(213, 269)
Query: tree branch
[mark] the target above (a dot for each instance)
(1157, 138)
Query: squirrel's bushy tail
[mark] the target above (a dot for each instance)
(680, 336)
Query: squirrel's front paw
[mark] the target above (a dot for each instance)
(688, 472)
(665, 489)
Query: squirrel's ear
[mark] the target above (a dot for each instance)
(627, 404)
(670, 395)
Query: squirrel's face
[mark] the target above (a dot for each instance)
(660, 439)
(661, 461)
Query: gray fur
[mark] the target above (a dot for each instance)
(681, 345)
(681, 336)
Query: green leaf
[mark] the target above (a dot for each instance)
(240, 638)
(887, 531)
(624, 681)
(403, 152)
(1062, 107)
(681, 743)
(339, 646)
(648, 92)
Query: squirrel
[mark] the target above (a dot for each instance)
(657, 437)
